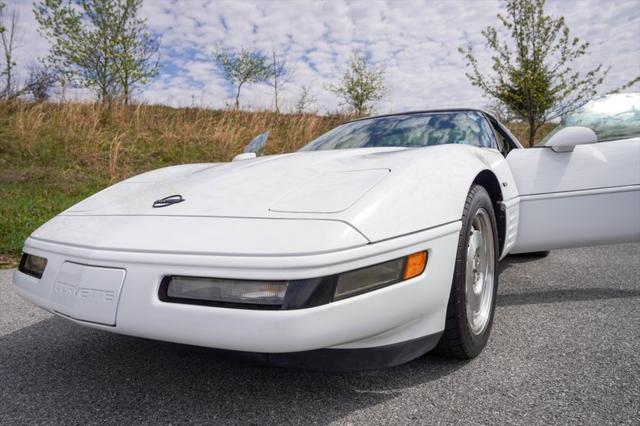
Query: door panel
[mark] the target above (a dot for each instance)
(586, 197)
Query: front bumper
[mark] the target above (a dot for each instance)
(402, 312)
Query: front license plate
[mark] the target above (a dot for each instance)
(87, 293)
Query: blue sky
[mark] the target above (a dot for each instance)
(416, 41)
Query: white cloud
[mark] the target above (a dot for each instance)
(417, 41)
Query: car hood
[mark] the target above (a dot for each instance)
(305, 182)
(381, 193)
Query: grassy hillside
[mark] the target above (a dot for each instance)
(53, 155)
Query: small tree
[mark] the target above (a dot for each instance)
(82, 36)
(304, 101)
(136, 50)
(40, 82)
(8, 30)
(533, 74)
(98, 44)
(362, 85)
(242, 67)
(280, 74)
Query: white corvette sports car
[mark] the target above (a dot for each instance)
(373, 244)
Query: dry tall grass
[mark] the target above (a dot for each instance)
(123, 140)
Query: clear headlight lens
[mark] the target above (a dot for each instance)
(32, 265)
(227, 291)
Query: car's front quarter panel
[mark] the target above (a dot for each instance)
(427, 187)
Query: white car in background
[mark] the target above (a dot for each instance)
(375, 243)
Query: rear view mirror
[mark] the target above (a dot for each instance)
(566, 139)
(253, 148)
(257, 144)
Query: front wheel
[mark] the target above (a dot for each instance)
(475, 282)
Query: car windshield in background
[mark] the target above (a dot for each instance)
(611, 117)
(408, 130)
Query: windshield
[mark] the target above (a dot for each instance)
(408, 130)
(610, 117)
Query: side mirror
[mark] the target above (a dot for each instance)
(257, 144)
(253, 148)
(566, 139)
(244, 156)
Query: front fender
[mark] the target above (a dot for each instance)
(428, 190)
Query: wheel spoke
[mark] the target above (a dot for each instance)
(475, 240)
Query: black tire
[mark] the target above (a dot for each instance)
(458, 340)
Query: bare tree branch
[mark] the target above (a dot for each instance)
(8, 38)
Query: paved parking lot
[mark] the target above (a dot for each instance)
(565, 348)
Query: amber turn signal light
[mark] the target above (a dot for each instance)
(415, 265)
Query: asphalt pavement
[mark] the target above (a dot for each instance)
(565, 348)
